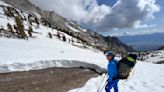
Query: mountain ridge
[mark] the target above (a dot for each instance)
(144, 42)
(57, 22)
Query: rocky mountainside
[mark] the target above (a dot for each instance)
(55, 21)
(161, 48)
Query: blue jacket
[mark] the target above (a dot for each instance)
(112, 69)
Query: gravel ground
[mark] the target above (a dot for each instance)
(46, 80)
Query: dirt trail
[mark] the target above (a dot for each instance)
(46, 80)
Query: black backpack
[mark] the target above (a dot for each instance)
(125, 66)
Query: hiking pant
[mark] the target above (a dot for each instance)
(114, 84)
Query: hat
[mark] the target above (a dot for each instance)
(109, 53)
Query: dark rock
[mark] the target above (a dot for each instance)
(161, 48)
(160, 62)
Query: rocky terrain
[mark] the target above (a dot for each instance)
(161, 48)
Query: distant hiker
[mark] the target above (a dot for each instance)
(64, 38)
(112, 72)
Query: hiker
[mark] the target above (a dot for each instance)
(112, 72)
(118, 70)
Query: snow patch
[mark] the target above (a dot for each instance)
(48, 64)
(155, 56)
(146, 77)
(73, 29)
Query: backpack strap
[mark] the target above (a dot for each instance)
(115, 61)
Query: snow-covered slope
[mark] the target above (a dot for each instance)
(42, 52)
(44, 49)
(21, 53)
(155, 56)
(147, 77)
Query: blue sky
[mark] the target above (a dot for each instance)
(159, 20)
(157, 23)
(119, 18)
(149, 38)
(107, 2)
(126, 17)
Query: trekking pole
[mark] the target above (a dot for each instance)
(99, 88)
(103, 86)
